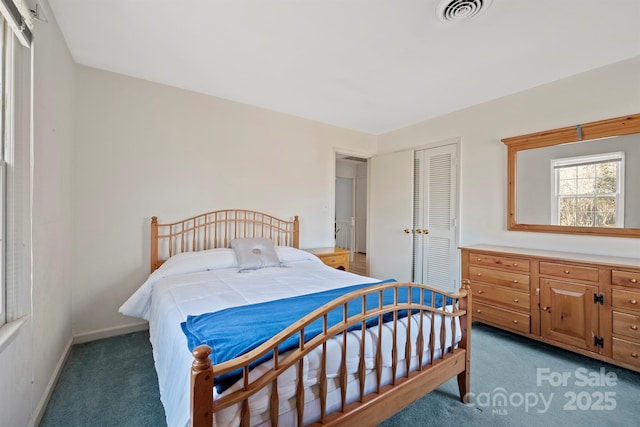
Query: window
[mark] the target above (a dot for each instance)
(15, 168)
(588, 190)
(3, 290)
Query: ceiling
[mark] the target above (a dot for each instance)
(367, 65)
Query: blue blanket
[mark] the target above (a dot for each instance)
(235, 331)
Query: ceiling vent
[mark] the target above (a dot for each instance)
(460, 10)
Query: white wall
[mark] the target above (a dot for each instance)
(145, 149)
(29, 363)
(603, 93)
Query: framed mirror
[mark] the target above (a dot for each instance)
(582, 179)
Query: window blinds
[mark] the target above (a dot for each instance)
(17, 155)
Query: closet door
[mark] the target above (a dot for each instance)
(435, 199)
(391, 216)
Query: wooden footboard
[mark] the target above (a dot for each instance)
(406, 385)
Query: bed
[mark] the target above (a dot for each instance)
(364, 350)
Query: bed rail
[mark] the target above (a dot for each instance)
(215, 230)
(405, 386)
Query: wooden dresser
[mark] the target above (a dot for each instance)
(584, 303)
(333, 257)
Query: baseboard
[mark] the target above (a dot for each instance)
(44, 401)
(110, 332)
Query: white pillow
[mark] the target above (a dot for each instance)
(254, 253)
(289, 255)
(191, 262)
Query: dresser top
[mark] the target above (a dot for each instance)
(326, 251)
(555, 255)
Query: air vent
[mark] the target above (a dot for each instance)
(460, 10)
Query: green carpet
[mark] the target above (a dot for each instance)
(514, 381)
(109, 382)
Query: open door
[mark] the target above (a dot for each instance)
(351, 204)
(344, 219)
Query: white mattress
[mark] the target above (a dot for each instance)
(191, 287)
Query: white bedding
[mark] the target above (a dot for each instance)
(209, 281)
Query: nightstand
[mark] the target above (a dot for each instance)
(333, 257)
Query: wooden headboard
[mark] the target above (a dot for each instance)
(215, 230)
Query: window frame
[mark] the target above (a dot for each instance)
(15, 201)
(4, 56)
(3, 294)
(618, 196)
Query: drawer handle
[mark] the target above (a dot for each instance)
(634, 327)
(545, 308)
(515, 281)
(516, 300)
(515, 321)
(479, 311)
(634, 302)
(515, 264)
(634, 355)
(567, 272)
(481, 291)
(633, 280)
(479, 259)
(478, 274)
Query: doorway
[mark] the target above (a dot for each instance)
(351, 208)
(344, 224)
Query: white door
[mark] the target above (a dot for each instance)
(344, 212)
(435, 242)
(390, 213)
(361, 211)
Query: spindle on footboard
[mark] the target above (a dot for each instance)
(431, 355)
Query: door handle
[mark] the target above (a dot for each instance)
(418, 231)
(425, 231)
(407, 231)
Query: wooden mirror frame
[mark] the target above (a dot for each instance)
(625, 125)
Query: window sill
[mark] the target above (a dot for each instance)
(9, 331)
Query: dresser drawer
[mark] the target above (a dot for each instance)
(625, 299)
(502, 296)
(508, 263)
(626, 324)
(336, 260)
(501, 317)
(499, 277)
(626, 351)
(568, 271)
(625, 278)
